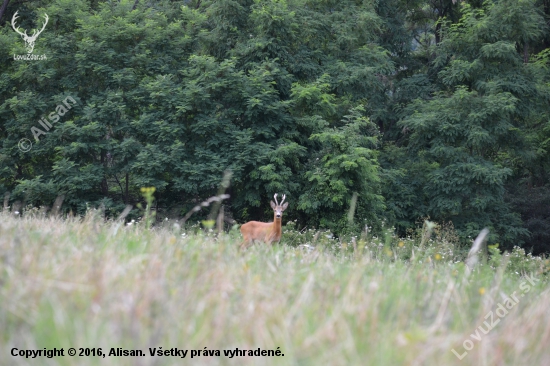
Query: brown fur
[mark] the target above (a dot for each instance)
(267, 232)
(261, 231)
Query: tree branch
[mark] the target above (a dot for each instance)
(3, 9)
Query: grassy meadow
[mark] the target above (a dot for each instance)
(87, 283)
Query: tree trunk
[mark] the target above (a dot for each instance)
(3, 9)
(104, 185)
(126, 196)
(438, 32)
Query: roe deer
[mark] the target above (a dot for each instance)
(267, 232)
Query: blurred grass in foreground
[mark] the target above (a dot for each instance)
(376, 301)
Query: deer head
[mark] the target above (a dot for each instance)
(29, 40)
(277, 207)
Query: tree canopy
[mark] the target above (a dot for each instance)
(420, 108)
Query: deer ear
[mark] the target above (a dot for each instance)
(273, 205)
(285, 206)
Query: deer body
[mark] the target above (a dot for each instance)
(267, 232)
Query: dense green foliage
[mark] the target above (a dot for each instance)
(423, 109)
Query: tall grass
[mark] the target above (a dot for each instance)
(85, 283)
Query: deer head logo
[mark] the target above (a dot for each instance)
(29, 40)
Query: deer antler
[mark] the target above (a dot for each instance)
(284, 196)
(275, 198)
(44, 26)
(13, 25)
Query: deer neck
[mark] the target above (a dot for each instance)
(277, 224)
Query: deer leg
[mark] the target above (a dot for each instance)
(246, 244)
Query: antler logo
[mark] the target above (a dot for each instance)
(29, 40)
